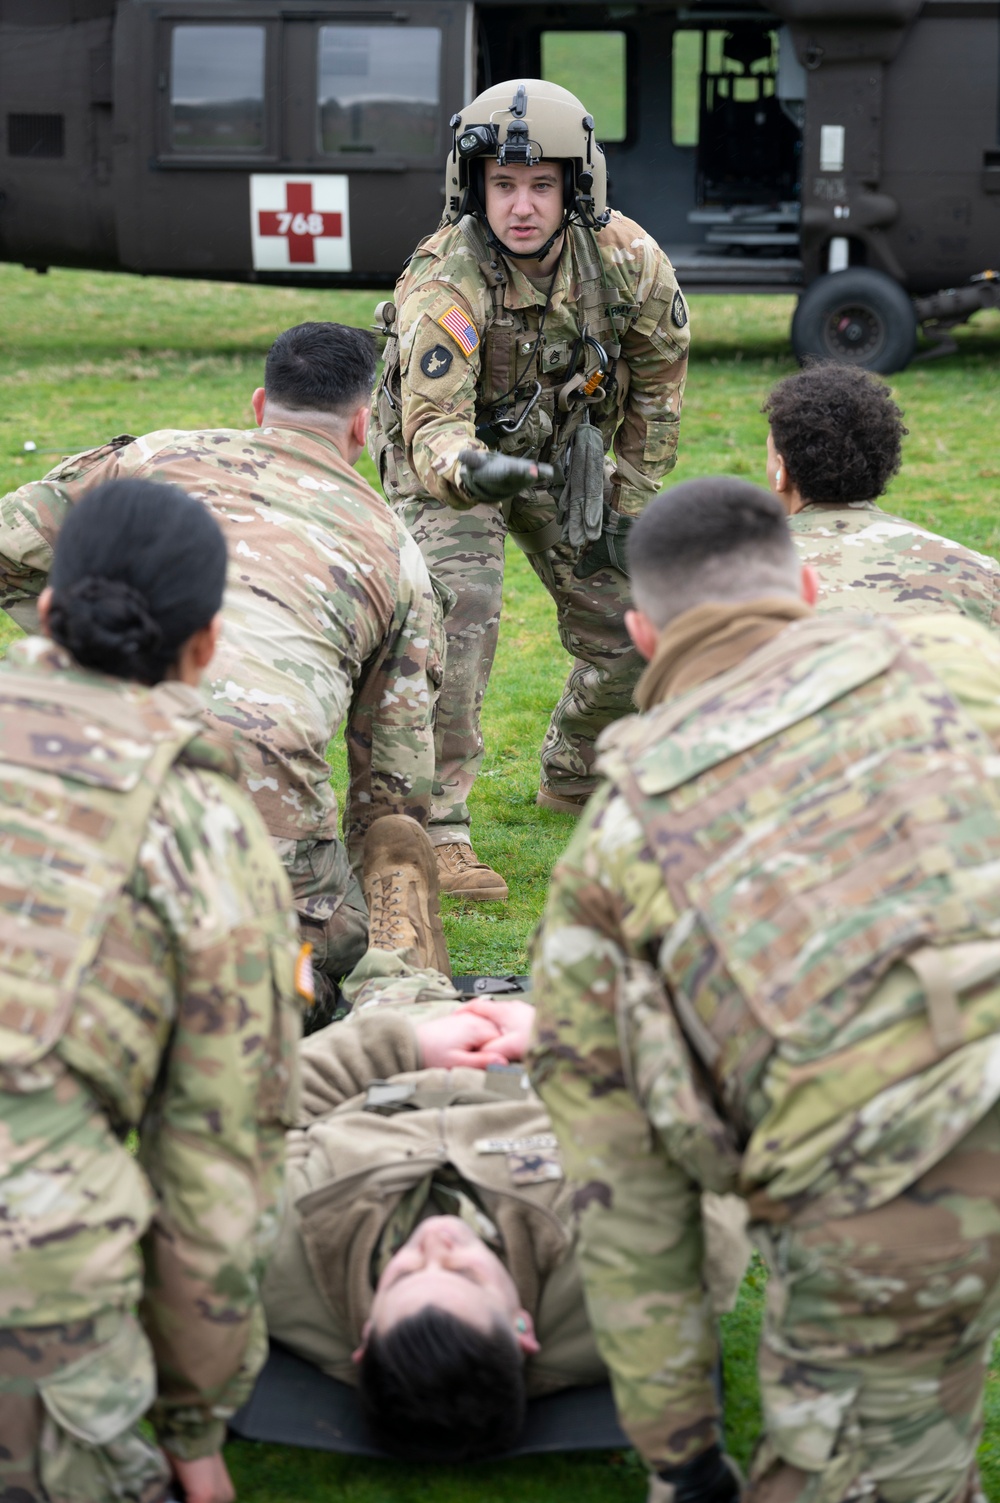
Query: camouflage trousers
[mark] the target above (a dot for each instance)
(465, 551)
(71, 1397)
(333, 917)
(877, 1335)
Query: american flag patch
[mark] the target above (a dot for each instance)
(461, 331)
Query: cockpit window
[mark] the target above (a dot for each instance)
(379, 89)
(217, 89)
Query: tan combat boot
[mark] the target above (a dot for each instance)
(563, 803)
(463, 875)
(401, 890)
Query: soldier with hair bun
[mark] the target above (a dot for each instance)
(147, 983)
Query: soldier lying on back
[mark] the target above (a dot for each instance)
(769, 962)
(328, 612)
(834, 445)
(146, 980)
(428, 1251)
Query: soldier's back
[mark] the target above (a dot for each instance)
(315, 560)
(869, 560)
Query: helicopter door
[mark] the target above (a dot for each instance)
(738, 101)
(285, 145)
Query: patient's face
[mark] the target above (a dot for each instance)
(445, 1264)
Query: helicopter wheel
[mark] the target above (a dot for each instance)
(857, 317)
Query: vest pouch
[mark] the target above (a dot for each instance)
(534, 432)
(68, 853)
(385, 436)
(806, 929)
(91, 1446)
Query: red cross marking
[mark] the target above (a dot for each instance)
(300, 223)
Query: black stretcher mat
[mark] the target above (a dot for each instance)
(294, 1404)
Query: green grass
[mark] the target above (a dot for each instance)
(87, 356)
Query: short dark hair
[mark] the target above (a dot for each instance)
(138, 568)
(713, 538)
(320, 368)
(434, 1388)
(838, 431)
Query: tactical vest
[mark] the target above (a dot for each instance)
(820, 813)
(82, 769)
(537, 425)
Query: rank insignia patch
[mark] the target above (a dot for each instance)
(462, 332)
(436, 362)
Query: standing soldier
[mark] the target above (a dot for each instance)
(770, 962)
(147, 980)
(530, 332)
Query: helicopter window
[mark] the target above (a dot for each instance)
(713, 68)
(686, 80)
(591, 64)
(379, 89)
(217, 88)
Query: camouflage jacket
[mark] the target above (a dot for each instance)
(328, 614)
(869, 560)
(182, 1023)
(766, 964)
(362, 1173)
(466, 331)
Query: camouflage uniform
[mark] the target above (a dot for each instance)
(869, 560)
(363, 1172)
(621, 287)
(768, 963)
(328, 618)
(351, 1153)
(146, 981)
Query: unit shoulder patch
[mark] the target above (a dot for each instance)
(436, 362)
(678, 311)
(456, 323)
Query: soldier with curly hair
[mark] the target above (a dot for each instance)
(834, 445)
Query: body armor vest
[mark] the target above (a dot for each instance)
(82, 769)
(528, 407)
(820, 813)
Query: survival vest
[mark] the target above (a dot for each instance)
(540, 425)
(820, 813)
(81, 770)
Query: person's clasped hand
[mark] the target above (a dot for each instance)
(513, 1021)
(477, 1034)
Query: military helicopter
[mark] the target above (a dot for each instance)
(844, 150)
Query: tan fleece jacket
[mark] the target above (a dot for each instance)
(350, 1164)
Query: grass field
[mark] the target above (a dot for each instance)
(87, 356)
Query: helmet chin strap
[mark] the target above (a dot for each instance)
(536, 255)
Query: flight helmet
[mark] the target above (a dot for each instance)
(520, 123)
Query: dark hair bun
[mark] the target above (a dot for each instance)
(108, 625)
(139, 567)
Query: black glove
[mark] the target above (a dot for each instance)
(608, 551)
(498, 477)
(706, 1479)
